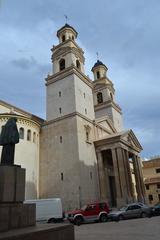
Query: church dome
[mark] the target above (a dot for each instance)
(66, 26)
(98, 63)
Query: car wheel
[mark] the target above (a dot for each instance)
(78, 220)
(51, 220)
(120, 217)
(144, 215)
(103, 218)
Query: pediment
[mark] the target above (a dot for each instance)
(131, 139)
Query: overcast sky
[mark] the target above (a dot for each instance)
(126, 33)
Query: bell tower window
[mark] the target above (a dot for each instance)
(62, 64)
(73, 38)
(63, 38)
(99, 97)
(111, 96)
(98, 75)
(78, 65)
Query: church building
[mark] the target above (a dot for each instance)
(80, 153)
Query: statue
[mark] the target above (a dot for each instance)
(8, 138)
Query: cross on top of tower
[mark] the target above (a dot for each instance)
(66, 17)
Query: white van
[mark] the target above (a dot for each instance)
(49, 209)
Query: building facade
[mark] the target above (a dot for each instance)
(151, 173)
(84, 154)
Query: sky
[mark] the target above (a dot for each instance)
(125, 33)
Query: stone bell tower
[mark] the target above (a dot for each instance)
(67, 155)
(104, 96)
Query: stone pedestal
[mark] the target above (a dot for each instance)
(13, 213)
(12, 184)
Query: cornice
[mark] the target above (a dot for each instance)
(107, 104)
(64, 43)
(67, 72)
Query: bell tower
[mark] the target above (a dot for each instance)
(104, 96)
(69, 90)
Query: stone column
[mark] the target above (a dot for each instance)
(143, 191)
(129, 176)
(119, 190)
(139, 187)
(101, 174)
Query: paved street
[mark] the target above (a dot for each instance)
(135, 229)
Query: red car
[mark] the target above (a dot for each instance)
(89, 213)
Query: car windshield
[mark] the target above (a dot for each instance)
(84, 207)
(123, 208)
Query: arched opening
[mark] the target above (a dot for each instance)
(111, 95)
(99, 97)
(78, 65)
(98, 74)
(73, 38)
(34, 137)
(29, 135)
(62, 64)
(63, 38)
(21, 133)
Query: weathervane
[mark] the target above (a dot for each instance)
(66, 17)
(97, 56)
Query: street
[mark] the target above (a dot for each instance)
(134, 229)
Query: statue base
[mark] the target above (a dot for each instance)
(16, 215)
(12, 184)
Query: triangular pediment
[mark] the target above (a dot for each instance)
(131, 139)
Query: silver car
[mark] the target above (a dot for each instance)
(134, 210)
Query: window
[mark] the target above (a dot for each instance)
(63, 38)
(85, 111)
(159, 197)
(158, 170)
(78, 64)
(99, 97)
(87, 136)
(111, 96)
(150, 197)
(98, 75)
(62, 176)
(84, 95)
(59, 94)
(90, 175)
(34, 137)
(158, 185)
(60, 110)
(147, 187)
(29, 135)
(62, 64)
(21, 133)
(60, 139)
(73, 38)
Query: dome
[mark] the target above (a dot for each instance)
(99, 63)
(66, 26)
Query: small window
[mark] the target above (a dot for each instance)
(90, 175)
(150, 197)
(21, 133)
(158, 185)
(158, 170)
(62, 64)
(63, 38)
(59, 94)
(60, 139)
(78, 65)
(159, 197)
(29, 135)
(72, 37)
(147, 187)
(99, 97)
(84, 95)
(98, 75)
(34, 137)
(60, 110)
(85, 111)
(62, 176)
(111, 96)
(87, 136)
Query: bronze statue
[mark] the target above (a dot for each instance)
(8, 138)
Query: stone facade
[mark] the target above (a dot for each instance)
(84, 154)
(151, 173)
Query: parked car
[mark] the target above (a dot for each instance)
(48, 210)
(134, 210)
(156, 210)
(89, 213)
